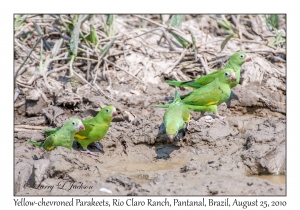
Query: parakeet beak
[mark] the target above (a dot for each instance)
(171, 138)
(248, 59)
(114, 113)
(232, 78)
(80, 127)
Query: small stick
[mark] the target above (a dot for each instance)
(17, 92)
(32, 127)
(178, 60)
(203, 64)
(19, 104)
(23, 85)
(97, 90)
(58, 69)
(108, 61)
(155, 23)
(273, 110)
(26, 130)
(88, 66)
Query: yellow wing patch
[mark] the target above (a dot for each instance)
(188, 118)
(212, 103)
(49, 148)
(80, 137)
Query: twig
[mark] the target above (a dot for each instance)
(26, 130)
(108, 61)
(21, 71)
(155, 23)
(203, 64)
(88, 66)
(26, 50)
(23, 85)
(183, 76)
(174, 30)
(119, 53)
(206, 43)
(58, 69)
(97, 68)
(105, 67)
(27, 57)
(170, 29)
(178, 60)
(250, 41)
(17, 93)
(97, 90)
(32, 127)
(19, 104)
(173, 47)
(175, 76)
(268, 51)
(273, 110)
(137, 41)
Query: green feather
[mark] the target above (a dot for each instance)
(176, 116)
(235, 63)
(63, 137)
(96, 127)
(208, 97)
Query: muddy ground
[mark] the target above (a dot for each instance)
(213, 157)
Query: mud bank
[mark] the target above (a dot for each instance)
(213, 157)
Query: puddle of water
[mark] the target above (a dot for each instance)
(146, 166)
(141, 171)
(278, 179)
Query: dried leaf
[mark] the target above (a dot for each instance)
(110, 19)
(38, 29)
(75, 38)
(109, 25)
(176, 21)
(182, 41)
(223, 25)
(225, 41)
(56, 47)
(20, 19)
(106, 47)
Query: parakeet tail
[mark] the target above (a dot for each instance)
(39, 144)
(161, 105)
(49, 132)
(177, 97)
(190, 84)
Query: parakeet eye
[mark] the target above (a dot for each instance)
(73, 123)
(226, 74)
(107, 110)
(241, 56)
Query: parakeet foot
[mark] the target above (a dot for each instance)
(187, 125)
(223, 104)
(89, 152)
(99, 146)
(220, 117)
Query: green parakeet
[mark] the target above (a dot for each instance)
(95, 129)
(175, 117)
(64, 137)
(208, 97)
(235, 63)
